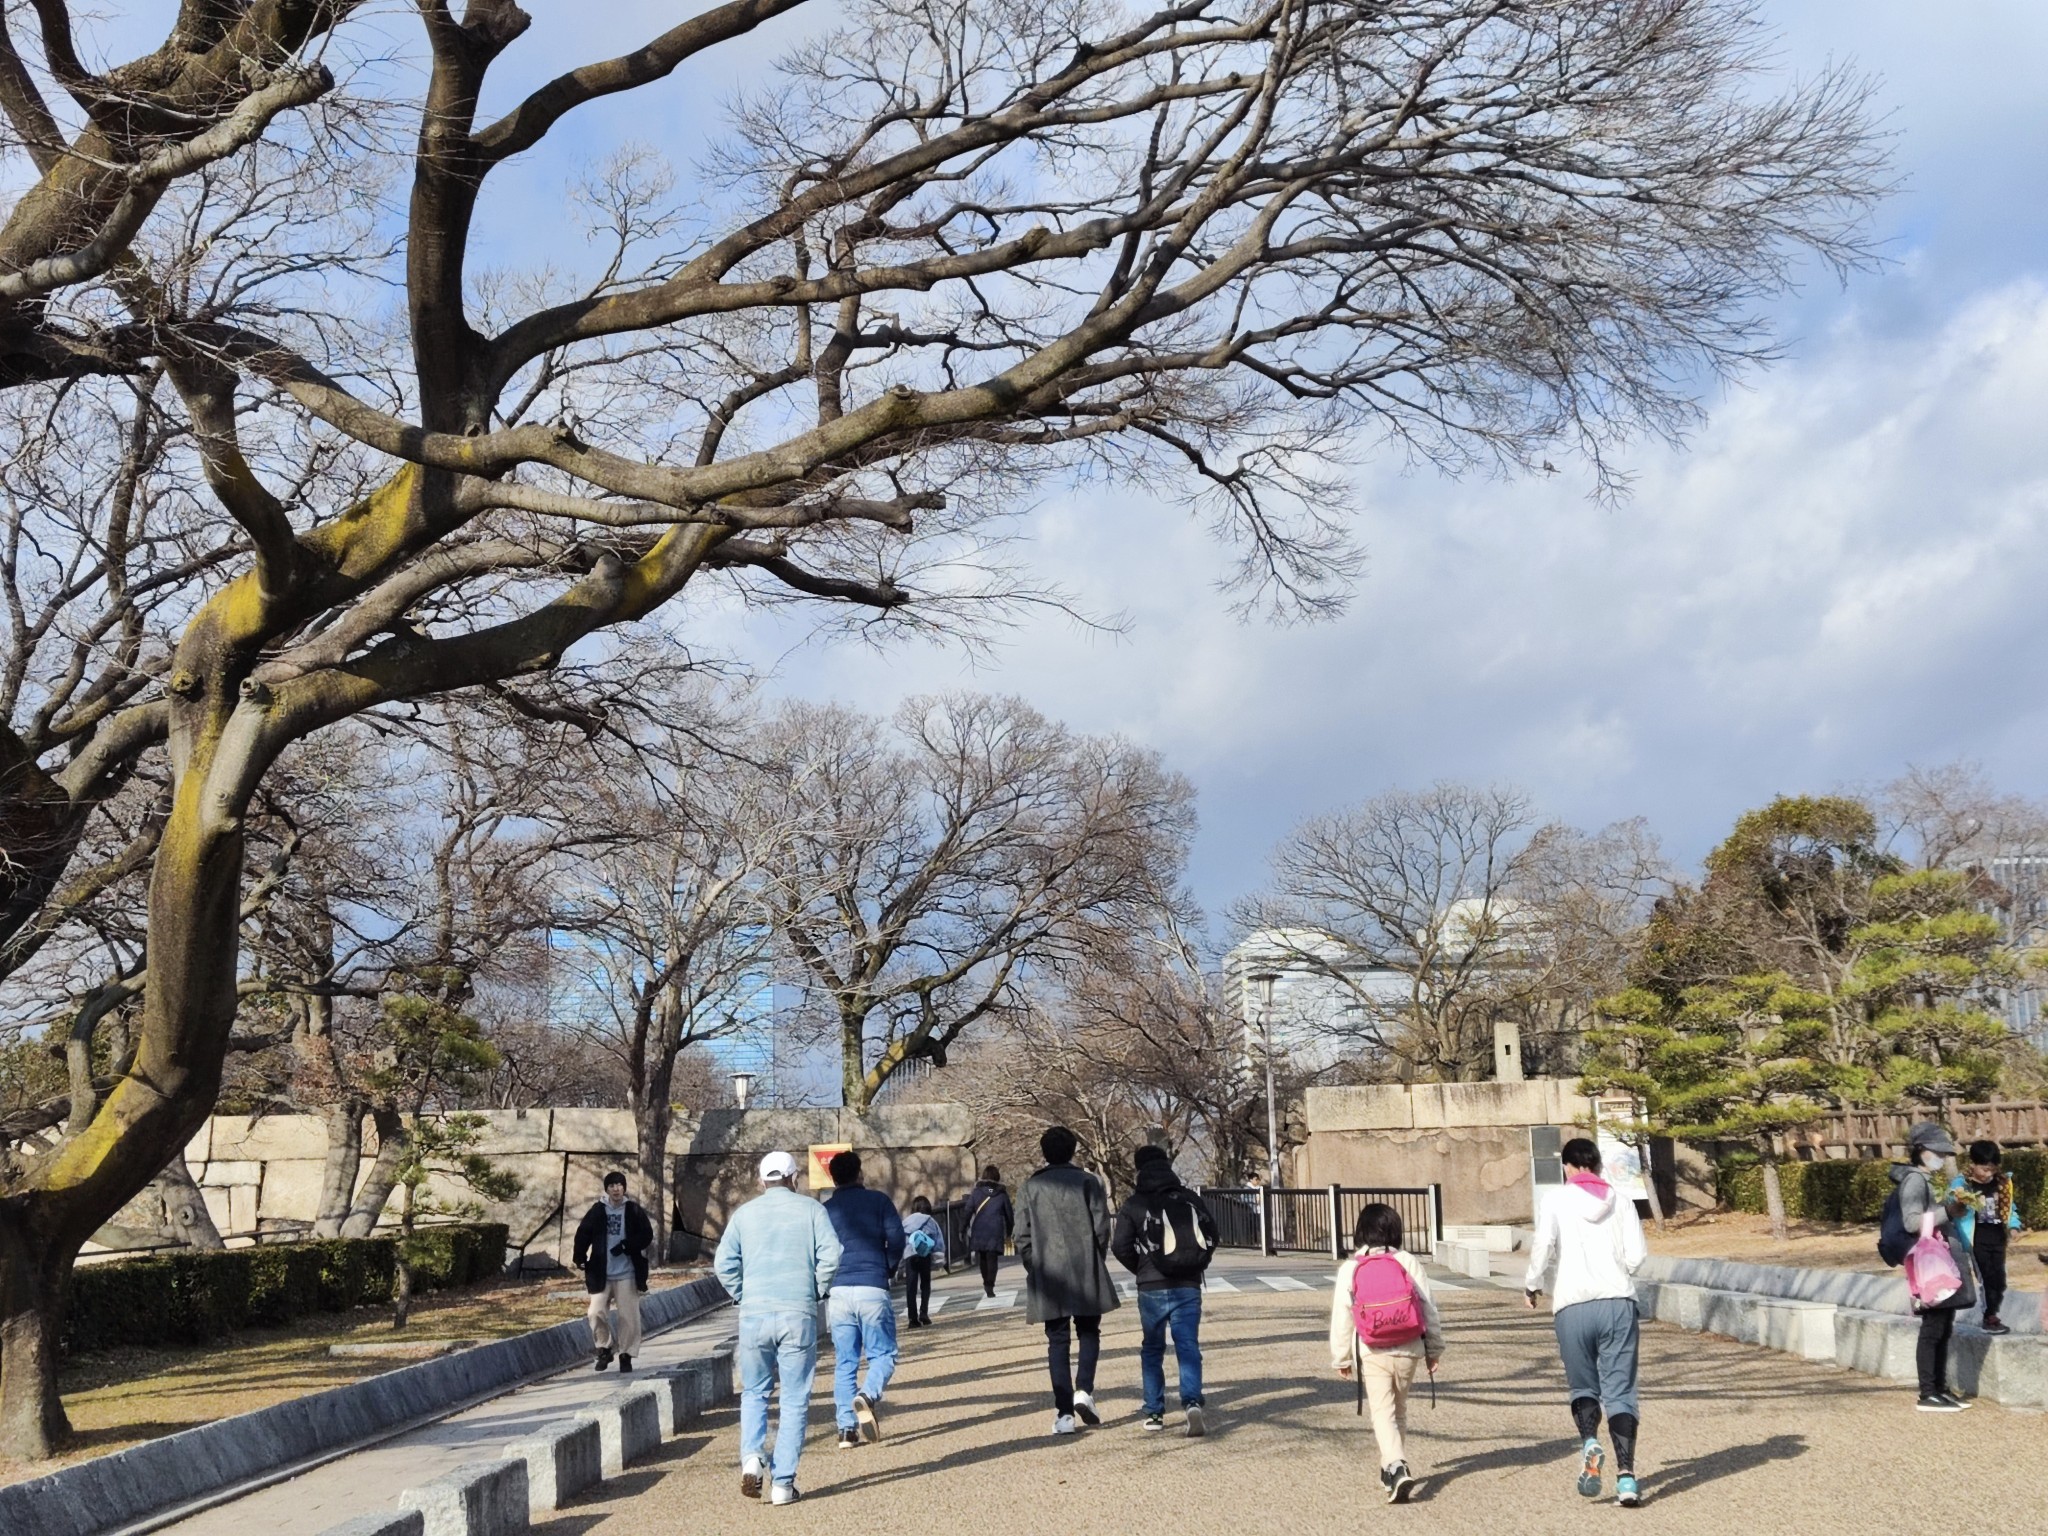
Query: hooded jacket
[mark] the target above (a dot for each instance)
(1594, 1240)
(990, 1217)
(1153, 1180)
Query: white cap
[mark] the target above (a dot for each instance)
(777, 1165)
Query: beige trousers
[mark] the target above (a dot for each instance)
(1387, 1377)
(624, 1334)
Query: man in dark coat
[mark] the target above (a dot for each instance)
(990, 1218)
(612, 1241)
(1166, 1237)
(1062, 1241)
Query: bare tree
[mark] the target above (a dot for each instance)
(952, 248)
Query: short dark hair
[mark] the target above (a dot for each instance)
(1379, 1226)
(921, 1205)
(991, 1174)
(1058, 1144)
(844, 1168)
(615, 1177)
(1985, 1152)
(1151, 1152)
(1579, 1152)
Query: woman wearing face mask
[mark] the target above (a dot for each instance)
(1928, 1149)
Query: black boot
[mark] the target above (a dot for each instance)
(604, 1357)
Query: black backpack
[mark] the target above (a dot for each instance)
(1175, 1238)
(1893, 1240)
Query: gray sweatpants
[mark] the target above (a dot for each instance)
(1598, 1342)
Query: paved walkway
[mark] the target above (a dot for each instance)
(1735, 1440)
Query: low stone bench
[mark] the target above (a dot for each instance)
(1464, 1259)
(562, 1460)
(486, 1498)
(628, 1426)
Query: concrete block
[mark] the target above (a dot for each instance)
(1464, 1259)
(241, 1210)
(200, 1148)
(721, 1376)
(593, 1130)
(486, 1498)
(1494, 1239)
(1382, 1107)
(291, 1190)
(1802, 1328)
(1682, 1306)
(222, 1172)
(628, 1426)
(400, 1522)
(1876, 1343)
(562, 1459)
(269, 1136)
(2012, 1369)
(217, 1208)
(513, 1130)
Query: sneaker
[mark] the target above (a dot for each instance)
(1590, 1467)
(1197, 1426)
(750, 1478)
(1960, 1402)
(1084, 1407)
(849, 1439)
(870, 1420)
(1063, 1423)
(1155, 1421)
(625, 1362)
(784, 1493)
(604, 1358)
(1994, 1324)
(1938, 1402)
(1398, 1482)
(1626, 1493)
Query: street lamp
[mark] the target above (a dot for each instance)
(741, 1083)
(1263, 980)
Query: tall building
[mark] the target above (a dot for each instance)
(2021, 906)
(1316, 1015)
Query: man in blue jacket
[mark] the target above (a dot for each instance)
(777, 1259)
(861, 1316)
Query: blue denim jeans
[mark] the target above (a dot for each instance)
(777, 1350)
(863, 1320)
(1179, 1311)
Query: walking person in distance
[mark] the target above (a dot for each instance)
(991, 1218)
(1063, 1232)
(777, 1259)
(861, 1313)
(1166, 1237)
(1594, 1241)
(612, 1241)
(1383, 1324)
(924, 1241)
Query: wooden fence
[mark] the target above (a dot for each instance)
(1881, 1132)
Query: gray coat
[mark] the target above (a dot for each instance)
(1916, 1198)
(1063, 1242)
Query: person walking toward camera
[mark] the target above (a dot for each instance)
(1383, 1325)
(1595, 1243)
(924, 1241)
(991, 1218)
(1063, 1232)
(777, 1259)
(861, 1313)
(612, 1241)
(1166, 1237)
(1990, 1215)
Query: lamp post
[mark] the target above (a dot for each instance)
(1263, 980)
(742, 1083)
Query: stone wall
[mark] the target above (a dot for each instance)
(261, 1177)
(1472, 1138)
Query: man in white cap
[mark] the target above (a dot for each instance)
(777, 1259)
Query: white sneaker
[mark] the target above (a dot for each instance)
(1084, 1408)
(1063, 1423)
(750, 1477)
(783, 1493)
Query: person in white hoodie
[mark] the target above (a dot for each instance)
(1385, 1373)
(1595, 1243)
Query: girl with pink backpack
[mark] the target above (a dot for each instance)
(1383, 1325)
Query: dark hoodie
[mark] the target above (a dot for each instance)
(1154, 1179)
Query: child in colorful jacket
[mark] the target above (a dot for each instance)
(1991, 1214)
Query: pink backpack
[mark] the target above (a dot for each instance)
(1384, 1309)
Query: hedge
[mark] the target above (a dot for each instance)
(193, 1296)
(1854, 1189)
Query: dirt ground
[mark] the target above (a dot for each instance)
(118, 1397)
(1814, 1245)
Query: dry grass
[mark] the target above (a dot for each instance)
(119, 1397)
(1814, 1245)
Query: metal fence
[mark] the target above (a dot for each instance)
(1320, 1220)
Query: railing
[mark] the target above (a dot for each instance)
(1877, 1132)
(953, 1222)
(1321, 1221)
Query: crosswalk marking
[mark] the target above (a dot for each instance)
(1001, 1301)
(936, 1302)
(1285, 1283)
(1218, 1283)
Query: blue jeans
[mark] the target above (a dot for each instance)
(863, 1320)
(776, 1349)
(1180, 1310)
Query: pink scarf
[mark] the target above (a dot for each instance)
(1591, 1183)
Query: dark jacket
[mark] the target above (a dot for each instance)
(1063, 1240)
(870, 1232)
(990, 1217)
(592, 1253)
(1154, 1180)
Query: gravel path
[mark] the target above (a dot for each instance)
(1735, 1440)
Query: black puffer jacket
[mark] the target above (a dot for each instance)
(593, 1253)
(1153, 1181)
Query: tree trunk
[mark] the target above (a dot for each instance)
(1774, 1197)
(401, 1289)
(651, 1123)
(186, 1218)
(35, 1281)
(1648, 1154)
(344, 1122)
(392, 1136)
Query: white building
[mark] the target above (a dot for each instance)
(1316, 1016)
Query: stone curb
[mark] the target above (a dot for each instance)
(562, 1459)
(628, 1426)
(400, 1522)
(127, 1487)
(1468, 1259)
(486, 1498)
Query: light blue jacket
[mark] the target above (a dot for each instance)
(779, 1253)
(1968, 1223)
